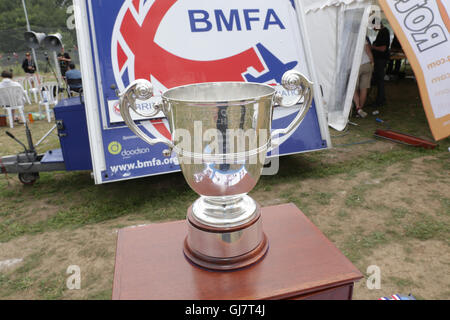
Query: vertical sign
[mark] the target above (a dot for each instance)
(423, 28)
(178, 42)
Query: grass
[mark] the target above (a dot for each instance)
(401, 283)
(358, 244)
(323, 198)
(52, 286)
(100, 295)
(399, 213)
(343, 214)
(426, 227)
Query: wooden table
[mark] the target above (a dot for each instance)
(301, 263)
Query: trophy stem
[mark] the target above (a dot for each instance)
(224, 201)
(224, 212)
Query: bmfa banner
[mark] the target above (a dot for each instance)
(423, 28)
(178, 42)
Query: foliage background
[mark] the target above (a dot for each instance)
(47, 16)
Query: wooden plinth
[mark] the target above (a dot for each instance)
(301, 263)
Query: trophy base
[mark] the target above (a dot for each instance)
(225, 249)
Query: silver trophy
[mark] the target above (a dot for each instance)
(221, 134)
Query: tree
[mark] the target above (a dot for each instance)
(48, 16)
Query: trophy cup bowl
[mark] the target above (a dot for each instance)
(221, 134)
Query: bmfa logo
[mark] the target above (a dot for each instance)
(115, 148)
(176, 50)
(179, 42)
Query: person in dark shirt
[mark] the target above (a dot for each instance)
(73, 78)
(28, 64)
(64, 60)
(380, 51)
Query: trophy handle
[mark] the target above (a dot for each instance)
(293, 80)
(143, 90)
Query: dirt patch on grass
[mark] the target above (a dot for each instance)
(41, 210)
(47, 257)
(413, 267)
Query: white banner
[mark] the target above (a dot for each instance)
(423, 28)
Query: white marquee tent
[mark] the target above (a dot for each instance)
(337, 29)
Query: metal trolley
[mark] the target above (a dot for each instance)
(74, 154)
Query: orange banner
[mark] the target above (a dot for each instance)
(423, 29)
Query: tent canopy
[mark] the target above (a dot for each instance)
(336, 30)
(313, 5)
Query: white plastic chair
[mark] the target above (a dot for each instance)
(24, 83)
(48, 94)
(12, 98)
(31, 86)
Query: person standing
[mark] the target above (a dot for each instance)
(364, 79)
(380, 51)
(64, 60)
(28, 64)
